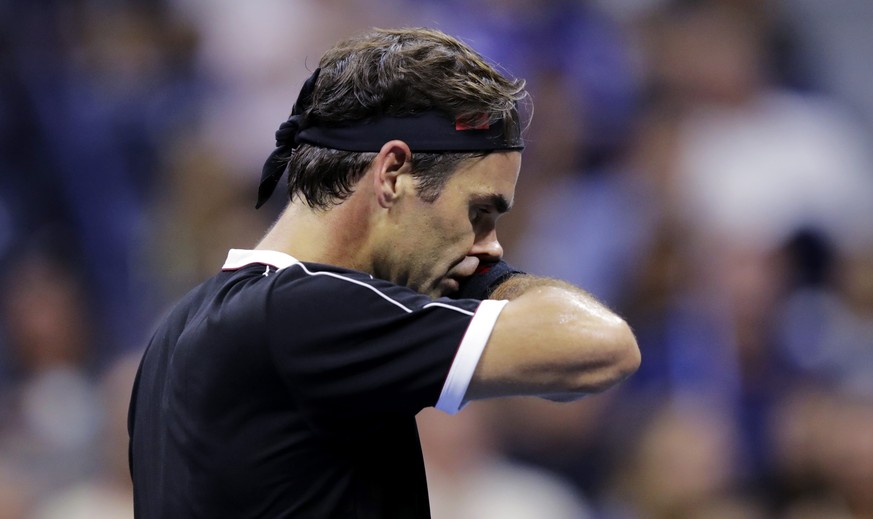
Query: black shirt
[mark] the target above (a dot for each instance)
(286, 389)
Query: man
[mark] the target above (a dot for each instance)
(288, 384)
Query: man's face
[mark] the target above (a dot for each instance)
(437, 244)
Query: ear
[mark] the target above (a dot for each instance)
(392, 161)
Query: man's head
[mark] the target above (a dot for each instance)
(398, 73)
(435, 132)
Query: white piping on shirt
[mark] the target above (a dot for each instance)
(238, 258)
(355, 281)
(450, 307)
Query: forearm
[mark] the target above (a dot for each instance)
(552, 339)
(503, 281)
(555, 341)
(518, 284)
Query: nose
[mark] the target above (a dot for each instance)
(487, 248)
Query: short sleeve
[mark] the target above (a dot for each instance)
(461, 373)
(349, 346)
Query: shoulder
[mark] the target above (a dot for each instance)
(314, 282)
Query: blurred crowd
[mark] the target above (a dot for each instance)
(703, 166)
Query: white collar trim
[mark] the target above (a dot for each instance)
(239, 258)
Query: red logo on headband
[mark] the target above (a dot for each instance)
(475, 122)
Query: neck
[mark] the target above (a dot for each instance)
(336, 236)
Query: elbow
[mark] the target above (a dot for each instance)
(628, 355)
(620, 359)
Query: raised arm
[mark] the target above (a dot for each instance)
(552, 340)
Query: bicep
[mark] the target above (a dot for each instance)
(553, 341)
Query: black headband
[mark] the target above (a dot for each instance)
(424, 132)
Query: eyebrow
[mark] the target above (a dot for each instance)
(494, 199)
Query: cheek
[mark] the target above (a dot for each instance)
(442, 232)
(456, 236)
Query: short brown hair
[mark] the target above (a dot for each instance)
(397, 72)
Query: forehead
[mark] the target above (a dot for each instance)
(493, 174)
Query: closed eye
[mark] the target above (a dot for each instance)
(492, 205)
(492, 201)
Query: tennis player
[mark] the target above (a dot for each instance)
(287, 385)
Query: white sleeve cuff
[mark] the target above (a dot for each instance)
(452, 396)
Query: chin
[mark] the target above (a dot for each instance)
(445, 288)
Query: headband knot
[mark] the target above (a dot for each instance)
(286, 141)
(286, 135)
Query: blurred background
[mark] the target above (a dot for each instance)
(704, 167)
